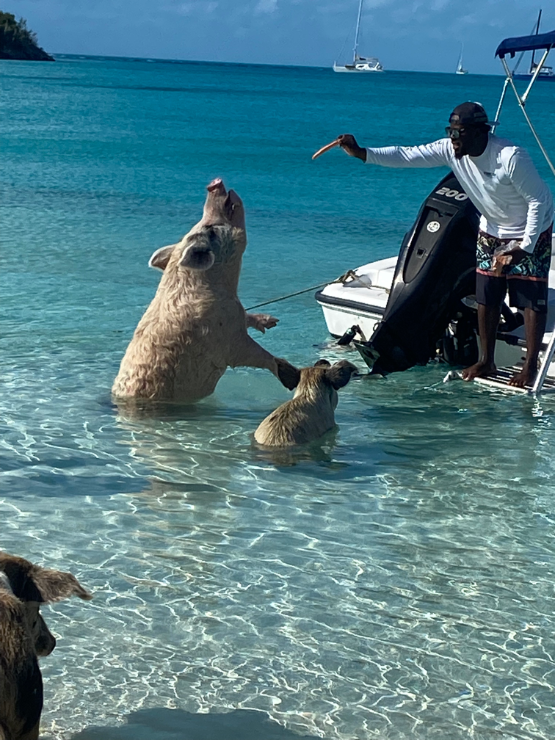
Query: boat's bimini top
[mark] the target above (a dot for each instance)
(525, 43)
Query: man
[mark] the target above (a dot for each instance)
(514, 241)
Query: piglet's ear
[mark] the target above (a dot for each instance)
(161, 257)
(340, 373)
(53, 585)
(288, 374)
(322, 363)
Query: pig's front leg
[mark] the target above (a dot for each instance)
(261, 321)
(249, 353)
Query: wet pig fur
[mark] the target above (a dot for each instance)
(24, 637)
(196, 327)
(310, 413)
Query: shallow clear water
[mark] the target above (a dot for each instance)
(395, 581)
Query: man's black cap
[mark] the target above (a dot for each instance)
(467, 114)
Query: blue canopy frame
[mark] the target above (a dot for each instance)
(543, 41)
(526, 43)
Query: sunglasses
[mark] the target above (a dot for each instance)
(455, 133)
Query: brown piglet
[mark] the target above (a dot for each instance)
(24, 637)
(310, 413)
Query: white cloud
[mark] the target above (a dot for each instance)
(264, 7)
(185, 9)
(376, 3)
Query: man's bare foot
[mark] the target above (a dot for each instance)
(525, 377)
(479, 370)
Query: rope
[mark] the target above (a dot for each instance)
(349, 275)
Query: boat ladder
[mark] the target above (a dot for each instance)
(542, 383)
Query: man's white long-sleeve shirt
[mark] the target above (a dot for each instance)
(503, 184)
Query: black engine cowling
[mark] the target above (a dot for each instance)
(435, 269)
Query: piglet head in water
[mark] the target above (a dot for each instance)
(220, 237)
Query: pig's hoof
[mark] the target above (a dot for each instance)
(261, 321)
(287, 374)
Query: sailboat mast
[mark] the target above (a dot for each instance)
(357, 30)
(533, 63)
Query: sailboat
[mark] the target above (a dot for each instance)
(460, 69)
(545, 72)
(359, 64)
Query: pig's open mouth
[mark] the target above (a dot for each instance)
(227, 203)
(231, 203)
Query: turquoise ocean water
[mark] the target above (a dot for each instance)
(395, 582)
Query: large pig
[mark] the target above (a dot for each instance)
(195, 326)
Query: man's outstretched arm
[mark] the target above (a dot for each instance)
(436, 154)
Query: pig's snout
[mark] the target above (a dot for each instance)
(216, 186)
(45, 645)
(45, 642)
(223, 207)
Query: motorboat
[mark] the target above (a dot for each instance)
(419, 305)
(359, 63)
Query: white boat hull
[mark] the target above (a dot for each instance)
(357, 69)
(361, 301)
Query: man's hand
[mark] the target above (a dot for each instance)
(512, 257)
(349, 144)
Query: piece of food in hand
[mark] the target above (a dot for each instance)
(326, 148)
(502, 256)
(499, 263)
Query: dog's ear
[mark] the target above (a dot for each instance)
(322, 363)
(54, 585)
(340, 373)
(161, 257)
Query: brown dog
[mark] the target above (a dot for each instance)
(24, 637)
(310, 413)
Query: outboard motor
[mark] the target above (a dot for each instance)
(435, 269)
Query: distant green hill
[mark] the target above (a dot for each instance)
(17, 42)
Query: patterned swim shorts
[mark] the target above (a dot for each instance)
(527, 281)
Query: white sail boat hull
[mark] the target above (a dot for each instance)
(373, 66)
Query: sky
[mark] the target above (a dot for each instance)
(414, 35)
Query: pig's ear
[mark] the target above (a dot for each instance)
(340, 373)
(53, 585)
(322, 363)
(288, 374)
(161, 257)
